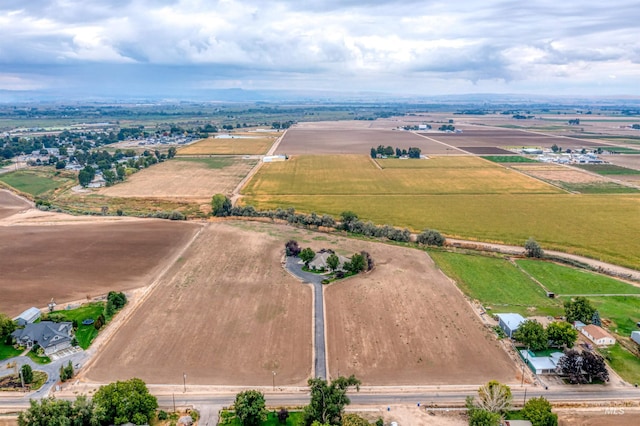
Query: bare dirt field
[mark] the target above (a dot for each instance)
(406, 323)
(8, 421)
(415, 416)
(485, 150)
(11, 204)
(194, 179)
(226, 313)
(553, 172)
(598, 417)
(343, 139)
(235, 144)
(71, 262)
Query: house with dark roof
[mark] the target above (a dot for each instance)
(49, 335)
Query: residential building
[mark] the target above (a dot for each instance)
(598, 335)
(49, 335)
(509, 323)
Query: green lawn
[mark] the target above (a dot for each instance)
(623, 311)
(607, 169)
(619, 150)
(36, 181)
(566, 280)
(38, 359)
(8, 351)
(508, 159)
(85, 333)
(497, 283)
(210, 162)
(626, 364)
(227, 418)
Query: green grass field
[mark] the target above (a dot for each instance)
(624, 312)
(85, 333)
(497, 283)
(598, 188)
(210, 162)
(36, 181)
(227, 418)
(626, 364)
(607, 169)
(619, 150)
(565, 280)
(7, 351)
(508, 159)
(358, 175)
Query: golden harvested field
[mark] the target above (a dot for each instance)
(556, 172)
(358, 175)
(194, 179)
(225, 313)
(405, 323)
(598, 226)
(238, 144)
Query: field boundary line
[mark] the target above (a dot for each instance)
(531, 277)
(445, 144)
(126, 314)
(375, 163)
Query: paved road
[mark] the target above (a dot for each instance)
(320, 362)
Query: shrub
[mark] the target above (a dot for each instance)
(162, 415)
(430, 237)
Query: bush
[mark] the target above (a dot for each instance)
(27, 374)
(162, 415)
(430, 237)
(292, 248)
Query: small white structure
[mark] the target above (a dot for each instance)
(273, 158)
(579, 325)
(509, 323)
(518, 423)
(635, 336)
(28, 317)
(97, 182)
(541, 364)
(598, 335)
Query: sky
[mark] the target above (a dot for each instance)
(173, 47)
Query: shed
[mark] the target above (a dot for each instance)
(635, 336)
(28, 317)
(579, 325)
(598, 335)
(509, 323)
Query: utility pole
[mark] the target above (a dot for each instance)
(274, 379)
(184, 381)
(173, 395)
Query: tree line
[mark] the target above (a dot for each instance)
(389, 151)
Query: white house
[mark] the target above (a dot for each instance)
(509, 323)
(541, 364)
(635, 336)
(598, 335)
(28, 317)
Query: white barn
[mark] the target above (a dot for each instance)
(598, 335)
(28, 317)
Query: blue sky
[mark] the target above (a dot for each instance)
(121, 47)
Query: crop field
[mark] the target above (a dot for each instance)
(508, 159)
(71, 262)
(195, 179)
(405, 323)
(358, 175)
(38, 181)
(225, 313)
(563, 280)
(608, 169)
(10, 204)
(237, 144)
(496, 283)
(348, 140)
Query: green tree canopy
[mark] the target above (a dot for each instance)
(220, 205)
(562, 333)
(430, 237)
(538, 412)
(307, 255)
(579, 309)
(533, 249)
(333, 261)
(357, 264)
(328, 400)
(532, 334)
(250, 408)
(122, 402)
(27, 374)
(54, 412)
(7, 326)
(478, 417)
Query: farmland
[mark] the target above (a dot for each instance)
(191, 179)
(357, 175)
(10, 204)
(236, 295)
(38, 181)
(76, 261)
(406, 313)
(235, 144)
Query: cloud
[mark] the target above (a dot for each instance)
(346, 42)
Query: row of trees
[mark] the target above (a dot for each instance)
(389, 151)
(116, 403)
(536, 337)
(359, 261)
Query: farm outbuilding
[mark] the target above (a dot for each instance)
(635, 336)
(598, 335)
(541, 364)
(28, 317)
(509, 323)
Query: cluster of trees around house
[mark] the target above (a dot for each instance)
(359, 262)
(635, 126)
(558, 334)
(522, 117)
(494, 401)
(574, 122)
(416, 127)
(447, 128)
(116, 403)
(389, 151)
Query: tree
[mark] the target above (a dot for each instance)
(430, 237)
(51, 411)
(478, 417)
(328, 400)
(119, 299)
(347, 218)
(555, 148)
(570, 365)
(533, 249)
(27, 374)
(333, 261)
(532, 334)
(220, 205)
(122, 402)
(86, 175)
(579, 309)
(562, 334)
(291, 248)
(414, 152)
(67, 372)
(374, 153)
(353, 419)
(307, 255)
(594, 367)
(283, 415)
(494, 397)
(172, 152)
(538, 412)
(109, 309)
(61, 164)
(357, 264)
(368, 260)
(7, 326)
(250, 408)
(595, 319)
